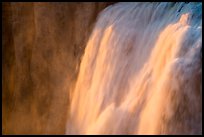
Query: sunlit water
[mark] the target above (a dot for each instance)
(141, 72)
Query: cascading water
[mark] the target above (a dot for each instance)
(141, 72)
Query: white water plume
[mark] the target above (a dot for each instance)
(141, 72)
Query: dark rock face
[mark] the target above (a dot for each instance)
(42, 47)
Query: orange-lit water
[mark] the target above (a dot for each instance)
(141, 72)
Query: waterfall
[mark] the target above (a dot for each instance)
(141, 72)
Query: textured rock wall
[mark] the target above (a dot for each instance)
(42, 47)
